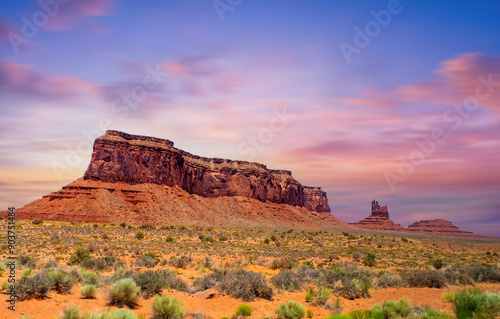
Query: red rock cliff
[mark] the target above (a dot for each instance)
(133, 159)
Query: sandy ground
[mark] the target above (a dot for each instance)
(225, 305)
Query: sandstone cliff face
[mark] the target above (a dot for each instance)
(132, 159)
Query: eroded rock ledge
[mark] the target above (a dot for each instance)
(134, 159)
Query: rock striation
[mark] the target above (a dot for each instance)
(133, 159)
(378, 219)
(145, 180)
(436, 226)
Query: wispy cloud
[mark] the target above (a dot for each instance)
(75, 13)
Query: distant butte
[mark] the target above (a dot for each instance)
(379, 220)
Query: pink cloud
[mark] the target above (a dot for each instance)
(194, 66)
(371, 98)
(228, 84)
(457, 79)
(21, 79)
(76, 11)
(175, 68)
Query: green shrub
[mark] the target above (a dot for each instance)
(483, 273)
(4, 285)
(180, 262)
(355, 281)
(243, 284)
(404, 239)
(309, 314)
(287, 280)
(426, 278)
(435, 314)
(318, 297)
(475, 303)
(26, 261)
(243, 310)
(369, 260)
(386, 281)
(79, 255)
(367, 314)
(102, 264)
(169, 239)
(2, 268)
(37, 286)
(88, 291)
(152, 282)
(166, 308)
(148, 260)
(437, 263)
(62, 281)
(124, 293)
(90, 278)
(139, 235)
(396, 309)
(113, 314)
(291, 310)
(70, 312)
(283, 263)
(37, 221)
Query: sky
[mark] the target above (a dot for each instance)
(392, 100)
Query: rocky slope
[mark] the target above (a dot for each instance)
(138, 179)
(148, 203)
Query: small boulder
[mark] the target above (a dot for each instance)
(206, 294)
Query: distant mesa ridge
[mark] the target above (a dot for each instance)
(134, 159)
(379, 220)
(436, 226)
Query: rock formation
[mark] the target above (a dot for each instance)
(378, 219)
(377, 210)
(138, 179)
(436, 226)
(132, 159)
